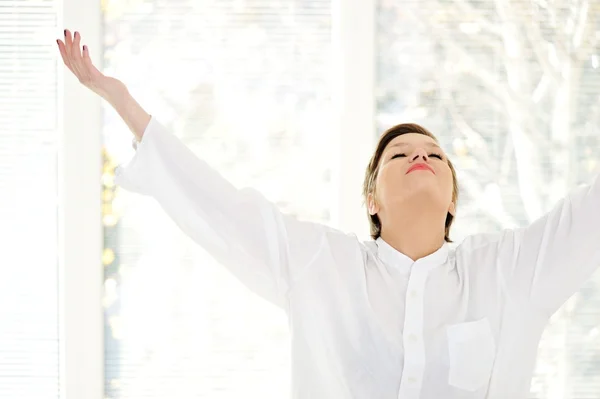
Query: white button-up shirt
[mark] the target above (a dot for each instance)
(366, 321)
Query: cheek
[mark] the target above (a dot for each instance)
(390, 182)
(447, 184)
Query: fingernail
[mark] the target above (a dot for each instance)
(57, 42)
(84, 47)
(65, 32)
(76, 33)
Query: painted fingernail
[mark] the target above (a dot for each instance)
(65, 32)
(84, 47)
(76, 33)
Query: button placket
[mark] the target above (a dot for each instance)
(414, 347)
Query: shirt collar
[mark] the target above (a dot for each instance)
(393, 257)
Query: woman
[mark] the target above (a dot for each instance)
(401, 316)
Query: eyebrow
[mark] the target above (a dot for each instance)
(405, 144)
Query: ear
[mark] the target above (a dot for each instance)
(372, 205)
(452, 209)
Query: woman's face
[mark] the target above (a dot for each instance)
(413, 167)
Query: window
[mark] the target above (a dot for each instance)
(245, 84)
(510, 90)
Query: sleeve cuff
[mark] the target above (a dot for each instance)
(136, 174)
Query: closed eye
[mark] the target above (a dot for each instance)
(433, 155)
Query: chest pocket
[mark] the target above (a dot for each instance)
(472, 351)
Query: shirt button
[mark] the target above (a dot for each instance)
(412, 380)
(412, 338)
(414, 294)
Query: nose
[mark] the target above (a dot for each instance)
(419, 153)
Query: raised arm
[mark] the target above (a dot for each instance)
(551, 259)
(264, 248)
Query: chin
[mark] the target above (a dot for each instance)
(425, 193)
(423, 185)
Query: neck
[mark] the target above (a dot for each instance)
(415, 234)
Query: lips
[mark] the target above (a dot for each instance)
(420, 166)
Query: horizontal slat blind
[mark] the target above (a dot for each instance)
(28, 192)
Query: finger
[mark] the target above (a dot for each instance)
(89, 66)
(63, 54)
(87, 61)
(75, 46)
(68, 43)
(81, 70)
(76, 52)
(62, 51)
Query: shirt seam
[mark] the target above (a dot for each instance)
(530, 307)
(303, 271)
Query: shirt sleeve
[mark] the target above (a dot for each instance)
(264, 248)
(553, 257)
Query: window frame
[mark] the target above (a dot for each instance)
(353, 39)
(81, 342)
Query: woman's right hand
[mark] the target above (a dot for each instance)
(80, 63)
(111, 89)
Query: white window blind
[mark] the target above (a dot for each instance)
(246, 85)
(511, 90)
(29, 348)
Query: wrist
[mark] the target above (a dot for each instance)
(117, 96)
